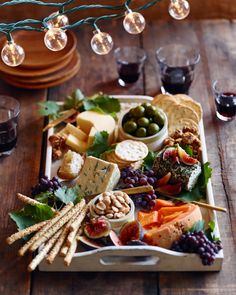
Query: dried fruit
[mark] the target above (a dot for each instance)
(131, 230)
(185, 158)
(170, 189)
(97, 228)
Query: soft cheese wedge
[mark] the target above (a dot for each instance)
(71, 165)
(102, 122)
(75, 144)
(98, 176)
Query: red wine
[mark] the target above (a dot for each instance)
(8, 135)
(129, 72)
(177, 79)
(226, 105)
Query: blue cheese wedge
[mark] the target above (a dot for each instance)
(98, 176)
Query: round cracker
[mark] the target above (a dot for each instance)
(131, 150)
(179, 112)
(113, 158)
(158, 98)
(166, 103)
(181, 124)
(189, 102)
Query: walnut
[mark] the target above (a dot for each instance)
(58, 144)
(177, 134)
(169, 141)
(190, 129)
(188, 138)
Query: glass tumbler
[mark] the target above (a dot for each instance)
(177, 63)
(130, 61)
(9, 111)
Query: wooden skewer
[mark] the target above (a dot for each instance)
(200, 204)
(57, 121)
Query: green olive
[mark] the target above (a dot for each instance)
(138, 112)
(143, 122)
(159, 118)
(141, 132)
(153, 128)
(145, 105)
(150, 110)
(130, 126)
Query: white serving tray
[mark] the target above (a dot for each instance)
(135, 258)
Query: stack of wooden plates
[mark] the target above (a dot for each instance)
(41, 68)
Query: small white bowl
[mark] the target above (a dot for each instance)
(153, 142)
(116, 224)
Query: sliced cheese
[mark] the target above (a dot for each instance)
(102, 122)
(77, 145)
(63, 132)
(98, 176)
(71, 129)
(91, 135)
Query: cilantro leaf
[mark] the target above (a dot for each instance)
(100, 144)
(149, 160)
(49, 108)
(74, 100)
(66, 195)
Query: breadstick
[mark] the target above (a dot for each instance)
(64, 250)
(56, 226)
(38, 258)
(76, 224)
(56, 248)
(25, 232)
(70, 253)
(30, 201)
(40, 233)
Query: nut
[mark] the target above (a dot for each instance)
(101, 206)
(110, 215)
(118, 204)
(107, 201)
(119, 215)
(98, 211)
(120, 199)
(114, 209)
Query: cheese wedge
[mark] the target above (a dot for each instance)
(102, 122)
(71, 165)
(97, 176)
(78, 133)
(77, 145)
(91, 135)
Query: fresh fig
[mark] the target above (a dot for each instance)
(170, 189)
(136, 243)
(131, 230)
(164, 180)
(185, 158)
(90, 244)
(115, 239)
(171, 153)
(97, 228)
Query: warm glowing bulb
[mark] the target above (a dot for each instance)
(134, 22)
(59, 21)
(102, 43)
(12, 54)
(55, 39)
(179, 9)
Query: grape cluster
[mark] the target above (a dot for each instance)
(197, 242)
(45, 184)
(133, 178)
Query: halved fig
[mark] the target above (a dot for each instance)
(97, 228)
(90, 244)
(115, 239)
(164, 180)
(170, 189)
(131, 230)
(171, 152)
(185, 158)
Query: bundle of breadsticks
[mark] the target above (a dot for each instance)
(57, 236)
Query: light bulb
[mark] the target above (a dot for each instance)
(12, 54)
(58, 22)
(134, 22)
(179, 9)
(55, 39)
(102, 43)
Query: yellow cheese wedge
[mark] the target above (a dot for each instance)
(78, 133)
(88, 119)
(77, 145)
(91, 136)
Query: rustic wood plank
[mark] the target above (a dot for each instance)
(191, 33)
(18, 172)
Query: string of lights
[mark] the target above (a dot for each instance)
(56, 24)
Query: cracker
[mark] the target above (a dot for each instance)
(175, 113)
(158, 98)
(165, 103)
(131, 150)
(189, 102)
(182, 123)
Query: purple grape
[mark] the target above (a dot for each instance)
(45, 185)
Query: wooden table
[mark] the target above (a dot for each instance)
(216, 41)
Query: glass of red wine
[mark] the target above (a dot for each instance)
(177, 63)
(9, 112)
(130, 61)
(225, 98)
